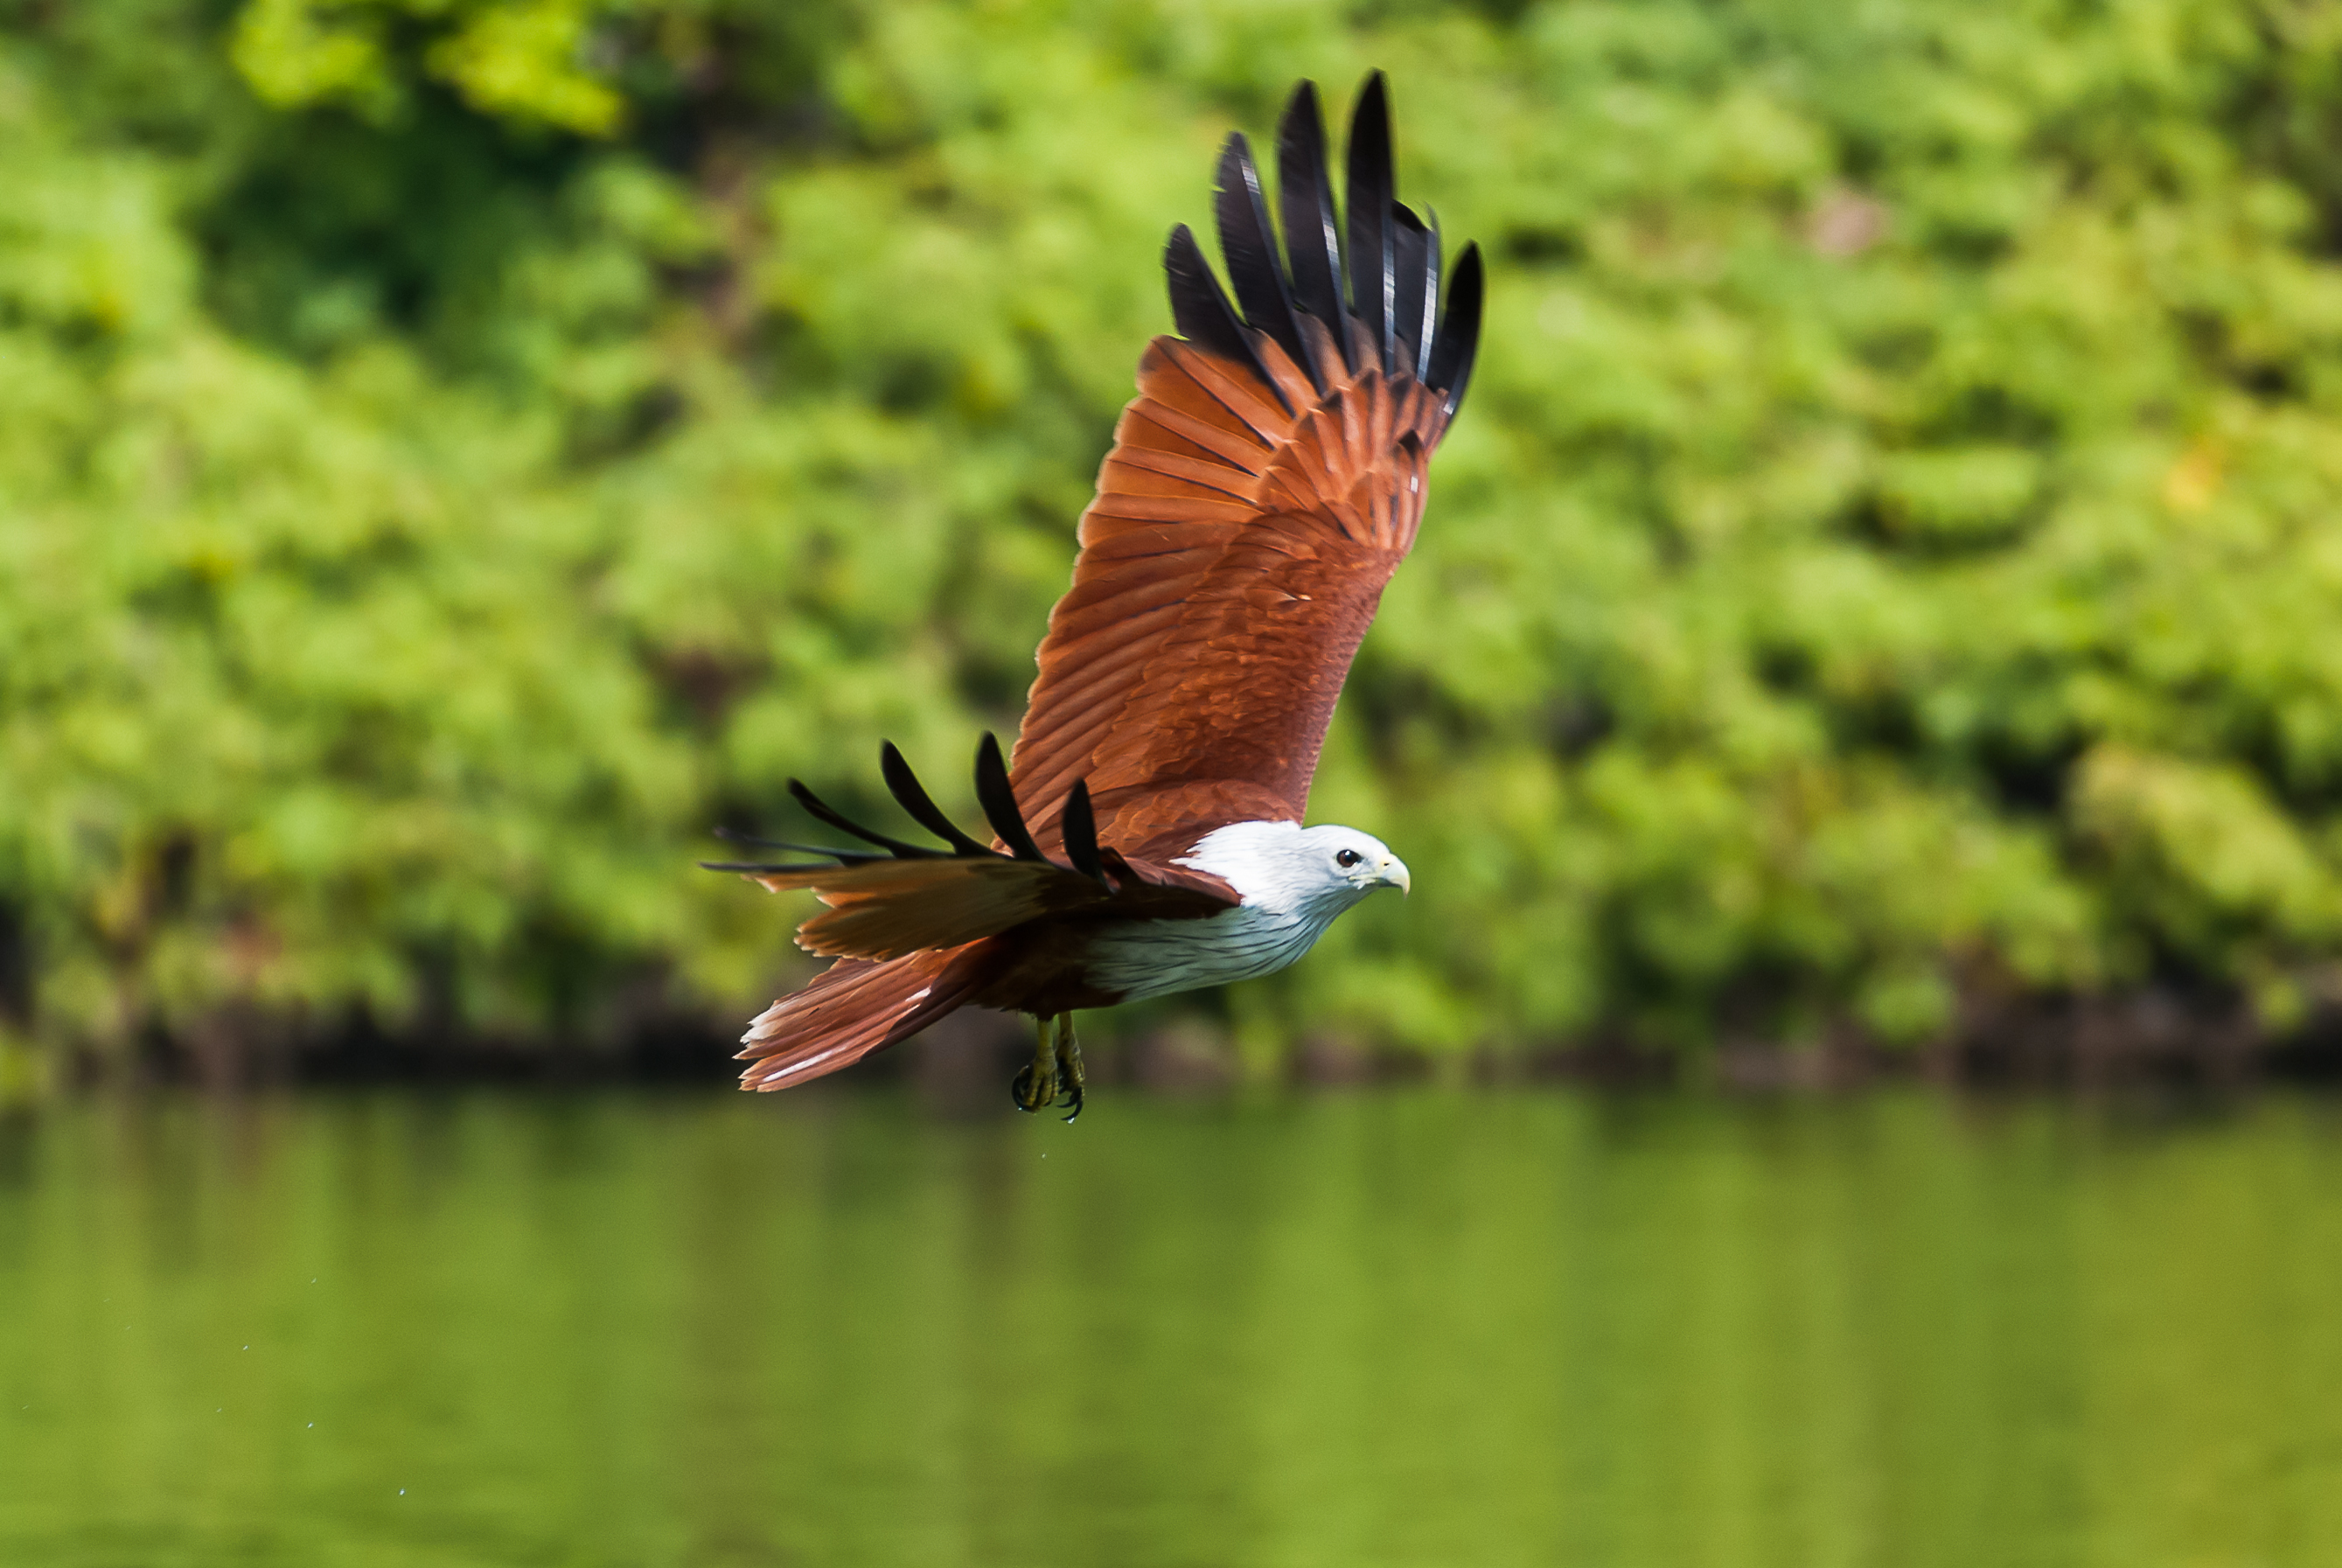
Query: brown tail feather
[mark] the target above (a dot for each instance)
(854, 1008)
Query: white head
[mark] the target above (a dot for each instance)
(1285, 866)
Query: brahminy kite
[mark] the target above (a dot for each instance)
(1263, 487)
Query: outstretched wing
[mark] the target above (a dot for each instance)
(1263, 487)
(911, 927)
(890, 908)
(896, 898)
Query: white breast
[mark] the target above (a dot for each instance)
(1289, 897)
(1158, 958)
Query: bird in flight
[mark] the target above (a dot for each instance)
(1146, 837)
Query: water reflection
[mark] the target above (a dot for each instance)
(1392, 1328)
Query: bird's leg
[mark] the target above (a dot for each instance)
(1069, 1064)
(1036, 1081)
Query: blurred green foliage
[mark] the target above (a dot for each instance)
(453, 452)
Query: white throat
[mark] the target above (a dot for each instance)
(1291, 887)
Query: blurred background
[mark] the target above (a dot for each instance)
(1875, 621)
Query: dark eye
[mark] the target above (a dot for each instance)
(1347, 858)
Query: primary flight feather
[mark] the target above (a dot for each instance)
(1263, 486)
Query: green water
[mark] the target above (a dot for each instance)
(1405, 1327)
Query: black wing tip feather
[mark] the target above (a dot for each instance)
(1077, 822)
(817, 807)
(1369, 194)
(1412, 267)
(1078, 826)
(1201, 311)
(1248, 247)
(999, 800)
(1388, 279)
(1302, 101)
(832, 852)
(1305, 203)
(912, 798)
(1198, 309)
(1459, 342)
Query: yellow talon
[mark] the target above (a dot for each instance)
(1036, 1081)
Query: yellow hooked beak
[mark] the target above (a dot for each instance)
(1395, 875)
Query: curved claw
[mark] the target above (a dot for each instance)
(1073, 1095)
(1020, 1089)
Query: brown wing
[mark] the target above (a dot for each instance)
(888, 908)
(884, 909)
(1230, 566)
(1263, 487)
